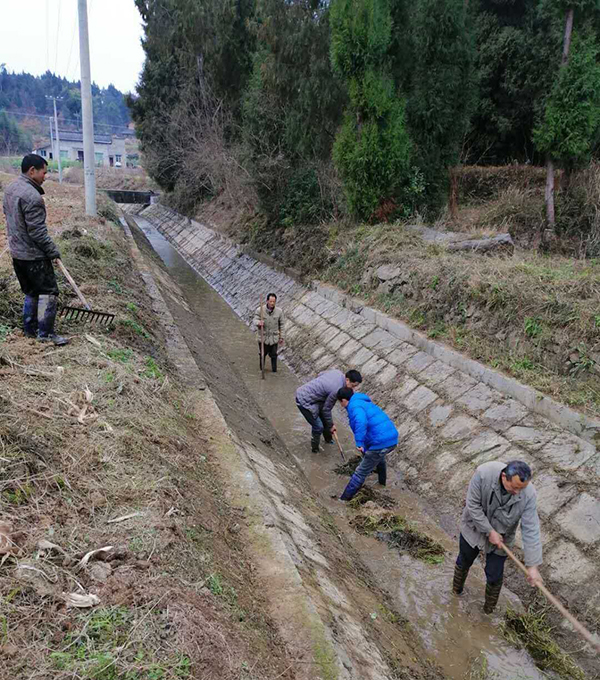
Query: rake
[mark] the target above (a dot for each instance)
(86, 314)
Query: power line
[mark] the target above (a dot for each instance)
(47, 38)
(69, 120)
(71, 49)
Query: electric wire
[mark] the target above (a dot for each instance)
(71, 48)
(57, 36)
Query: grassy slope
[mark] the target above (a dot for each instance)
(178, 597)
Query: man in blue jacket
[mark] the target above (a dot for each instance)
(375, 435)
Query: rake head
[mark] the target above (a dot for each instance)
(85, 315)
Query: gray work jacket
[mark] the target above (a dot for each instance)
(25, 211)
(319, 395)
(487, 508)
(273, 324)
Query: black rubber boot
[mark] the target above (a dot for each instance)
(382, 474)
(30, 316)
(460, 576)
(314, 443)
(274, 364)
(492, 593)
(47, 306)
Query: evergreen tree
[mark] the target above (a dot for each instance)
(372, 151)
(442, 97)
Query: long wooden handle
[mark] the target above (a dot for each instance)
(73, 284)
(337, 441)
(579, 627)
(262, 339)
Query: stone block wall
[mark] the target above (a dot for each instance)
(452, 412)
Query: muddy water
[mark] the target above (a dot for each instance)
(453, 630)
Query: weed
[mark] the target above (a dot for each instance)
(524, 364)
(533, 327)
(439, 330)
(137, 328)
(434, 282)
(122, 355)
(4, 331)
(214, 584)
(597, 321)
(583, 364)
(532, 631)
(114, 285)
(152, 371)
(131, 306)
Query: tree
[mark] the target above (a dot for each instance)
(571, 120)
(13, 139)
(372, 151)
(443, 93)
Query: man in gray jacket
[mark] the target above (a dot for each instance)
(271, 317)
(317, 398)
(500, 496)
(32, 249)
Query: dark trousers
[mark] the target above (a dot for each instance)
(270, 351)
(38, 282)
(316, 423)
(494, 564)
(372, 460)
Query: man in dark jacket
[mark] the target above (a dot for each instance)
(375, 436)
(500, 497)
(32, 249)
(317, 398)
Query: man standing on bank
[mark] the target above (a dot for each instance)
(500, 496)
(317, 398)
(375, 436)
(33, 250)
(272, 319)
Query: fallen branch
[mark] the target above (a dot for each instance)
(502, 244)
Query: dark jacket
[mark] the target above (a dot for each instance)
(487, 508)
(26, 227)
(373, 429)
(319, 395)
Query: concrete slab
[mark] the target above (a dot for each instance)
(375, 337)
(387, 375)
(418, 362)
(460, 427)
(567, 452)
(325, 362)
(439, 414)
(582, 519)
(401, 354)
(456, 385)
(329, 334)
(436, 373)
(419, 399)
(337, 341)
(348, 349)
(485, 441)
(373, 367)
(405, 389)
(406, 427)
(361, 357)
(552, 492)
(479, 399)
(359, 332)
(566, 564)
(531, 438)
(505, 415)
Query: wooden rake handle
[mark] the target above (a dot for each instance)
(337, 441)
(73, 284)
(579, 627)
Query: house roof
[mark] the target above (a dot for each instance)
(70, 136)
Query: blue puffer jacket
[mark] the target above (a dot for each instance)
(373, 429)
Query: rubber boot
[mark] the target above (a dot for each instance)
(327, 436)
(30, 316)
(274, 364)
(382, 474)
(352, 488)
(460, 576)
(314, 442)
(47, 306)
(492, 593)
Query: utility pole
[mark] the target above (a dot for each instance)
(89, 158)
(57, 138)
(51, 135)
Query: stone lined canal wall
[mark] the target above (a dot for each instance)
(452, 413)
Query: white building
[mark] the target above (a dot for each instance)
(109, 150)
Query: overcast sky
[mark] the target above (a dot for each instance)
(36, 35)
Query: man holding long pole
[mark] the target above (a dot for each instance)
(500, 496)
(270, 321)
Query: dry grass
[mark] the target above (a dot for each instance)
(126, 179)
(94, 431)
